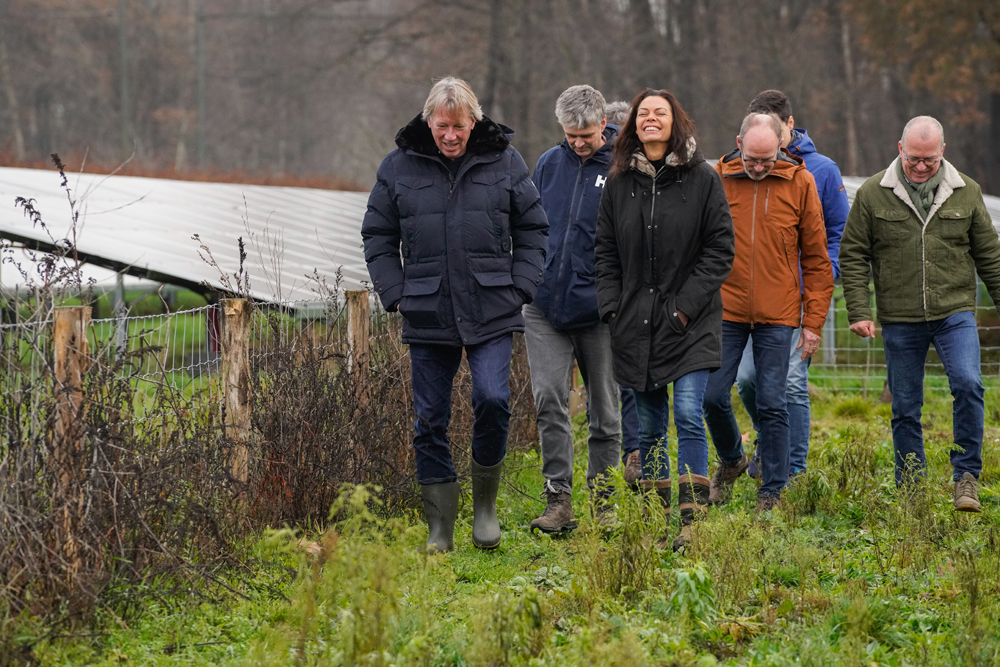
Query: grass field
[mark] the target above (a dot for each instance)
(847, 572)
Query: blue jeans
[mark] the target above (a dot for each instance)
(770, 353)
(796, 401)
(956, 340)
(432, 371)
(654, 416)
(630, 423)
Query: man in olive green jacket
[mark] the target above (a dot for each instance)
(924, 231)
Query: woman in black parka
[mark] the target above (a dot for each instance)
(664, 246)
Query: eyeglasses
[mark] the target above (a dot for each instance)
(929, 162)
(764, 162)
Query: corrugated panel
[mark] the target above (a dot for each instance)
(147, 224)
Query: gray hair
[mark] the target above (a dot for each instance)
(925, 127)
(618, 112)
(453, 95)
(757, 120)
(579, 107)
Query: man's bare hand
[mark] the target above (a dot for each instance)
(864, 328)
(683, 318)
(808, 342)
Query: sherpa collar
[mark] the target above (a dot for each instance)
(486, 136)
(642, 164)
(951, 182)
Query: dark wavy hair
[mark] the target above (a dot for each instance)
(628, 139)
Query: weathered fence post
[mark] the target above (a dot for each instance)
(70, 352)
(235, 367)
(120, 312)
(829, 341)
(359, 326)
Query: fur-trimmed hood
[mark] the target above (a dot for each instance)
(641, 163)
(486, 136)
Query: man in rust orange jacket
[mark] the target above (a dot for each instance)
(778, 219)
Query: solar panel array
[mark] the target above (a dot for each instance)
(145, 227)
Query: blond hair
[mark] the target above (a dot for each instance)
(454, 96)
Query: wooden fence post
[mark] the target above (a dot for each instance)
(359, 326)
(70, 352)
(235, 365)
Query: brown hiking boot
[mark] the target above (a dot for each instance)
(603, 508)
(967, 494)
(662, 489)
(724, 478)
(682, 540)
(633, 468)
(767, 503)
(558, 515)
(692, 496)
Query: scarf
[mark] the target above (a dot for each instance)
(921, 194)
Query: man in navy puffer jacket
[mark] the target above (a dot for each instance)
(563, 322)
(455, 239)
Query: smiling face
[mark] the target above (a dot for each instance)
(451, 133)
(921, 155)
(654, 120)
(585, 141)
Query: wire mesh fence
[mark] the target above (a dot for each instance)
(847, 363)
(182, 349)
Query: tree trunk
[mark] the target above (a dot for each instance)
(495, 59)
(853, 156)
(11, 94)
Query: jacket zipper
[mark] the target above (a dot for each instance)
(569, 220)
(753, 231)
(923, 264)
(652, 209)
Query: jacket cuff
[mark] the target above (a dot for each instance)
(391, 296)
(526, 286)
(526, 273)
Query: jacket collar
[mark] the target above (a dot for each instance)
(731, 166)
(603, 154)
(486, 136)
(802, 143)
(952, 181)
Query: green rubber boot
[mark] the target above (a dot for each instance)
(441, 509)
(485, 525)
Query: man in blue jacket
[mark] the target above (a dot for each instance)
(455, 239)
(563, 323)
(833, 196)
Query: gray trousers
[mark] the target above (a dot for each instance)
(550, 357)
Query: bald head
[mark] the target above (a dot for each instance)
(759, 143)
(757, 122)
(921, 149)
(924, 129)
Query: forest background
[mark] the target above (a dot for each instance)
(313, 91)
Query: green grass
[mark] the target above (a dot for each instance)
(849, 571)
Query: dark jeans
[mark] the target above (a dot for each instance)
(654, 417)
(770, 356)
(432, 370)
(796, 400)
(630, 423)
(956, 340)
